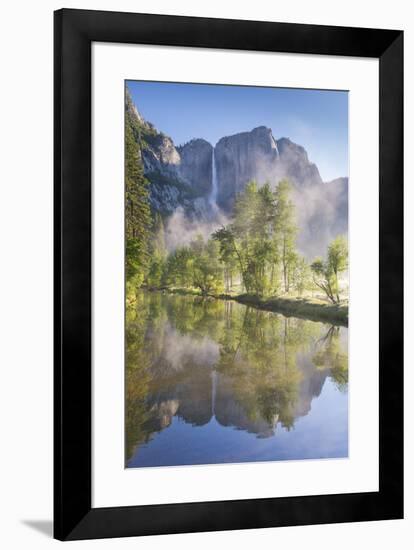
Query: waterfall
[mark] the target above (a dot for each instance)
(213, 194)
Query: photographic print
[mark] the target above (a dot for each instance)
(236, 274)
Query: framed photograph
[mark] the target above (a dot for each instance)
(228, 274)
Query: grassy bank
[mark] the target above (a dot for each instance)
(306, 308)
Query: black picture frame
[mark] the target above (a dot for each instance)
(74, 32)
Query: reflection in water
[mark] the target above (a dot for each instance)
(210, 381)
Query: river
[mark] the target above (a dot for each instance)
(211, 381)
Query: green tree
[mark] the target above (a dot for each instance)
(137, 214)
(178, 268)
(228, 248)
(326, 273)
(207, 270)
(228, 258)
(285, 230)
(246, 232)
(247, 241)
(259, 244)
(262, 237)
(338, 260)
(300, 272)
(158, 254)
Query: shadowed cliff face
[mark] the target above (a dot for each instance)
(295, 165)
(203, 361)
(257, 155)
(241, 158)
(196, 166)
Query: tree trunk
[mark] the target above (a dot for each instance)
(284, 266)
(337, 287)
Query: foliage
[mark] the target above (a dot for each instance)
(256, 252)
(158, 254)
(197, 265)
(331, 354)
(137, 214)
(207, 271)
(285, 231)
(300, 274)
(326, 273)
(261, 240)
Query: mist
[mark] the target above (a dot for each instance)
(181, 349)
(321, 208)
(322, 215)
(181, 229)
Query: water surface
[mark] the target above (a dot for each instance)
(211, 381)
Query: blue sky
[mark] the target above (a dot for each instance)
(316, 119)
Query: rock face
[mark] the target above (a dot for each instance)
(241, 158)
(160, 154)
(196, 165)
(131, 109)
(294, 164)
(181, 178)
(258, 155)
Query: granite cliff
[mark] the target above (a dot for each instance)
(258, 155)
(181, 177)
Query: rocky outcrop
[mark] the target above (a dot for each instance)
(160, 154)
(241, 158)
(195, 165)
(180, 177)
(131, 109)
(258, 156)
(293, 163)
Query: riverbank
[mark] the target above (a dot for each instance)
(305, 308)
(314, 310)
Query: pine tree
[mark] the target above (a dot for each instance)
(158, 253)
(137, 212)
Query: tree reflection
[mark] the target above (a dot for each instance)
(200, 359)
(333, 355)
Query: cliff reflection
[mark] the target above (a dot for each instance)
(202, 359)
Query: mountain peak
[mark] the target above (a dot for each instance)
(131, 108)
(194, 142)
(258, 155)
(261, 130)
